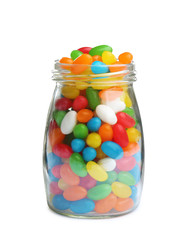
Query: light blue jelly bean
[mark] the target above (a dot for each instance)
(94, 124)
(89, 154)
(52, 178)
(137, 156)
(134, 193)
(99, 67)
(60, 203)
(112, 149)
(77, 145)
(136, 173)
(82, 206)
(53, 160)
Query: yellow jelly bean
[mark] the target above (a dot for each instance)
(62, 185)
(121, 190)
(133, 134)
(108, 58)
(81, 85)
(93, 140)
(100, 153)
(126, 99)
(96, 171)
(70, 92)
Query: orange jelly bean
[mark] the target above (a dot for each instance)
(131, 149)
(123, 204)
(84, 115)
(115, 67)
(74, 193)
(125, 58)
(68, 175)
(106, 204)
(97, 58)
(110, 94)
(66, 60)
(106, 132)
(81, 63)
(56, 136)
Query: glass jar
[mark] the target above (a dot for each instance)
(93, 147)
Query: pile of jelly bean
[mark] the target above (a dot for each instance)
(94, 157)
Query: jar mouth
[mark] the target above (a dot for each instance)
(126, 73)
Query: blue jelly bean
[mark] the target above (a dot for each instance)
(52, 178)
(53, 160)
(99, 67)
(77, 145)
(136, 173)
(137, 156)
(134, 193)
(60, 203)
(112, 150)
(89, 154)
(94, 124)
(82, 206)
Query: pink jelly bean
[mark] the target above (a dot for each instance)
(87, 182)
(63, 104)
(56, 171)
(54, 189)
(126, 163)
(85, 49)
(62, 150)
(68, 175)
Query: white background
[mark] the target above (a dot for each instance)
(35, 33)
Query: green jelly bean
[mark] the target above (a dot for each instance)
(99, 192)
(80, 131)
(129, 111)
(126, 178)
(68, 139)
(92, 97)
(58, 116)
(99, 50)
(78, 165)
(75, 54)
(112, 176)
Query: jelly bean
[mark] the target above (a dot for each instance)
(137, 156)
(53, 160)
(96, 171)
(108, 58)
(52, 178)
(116, 105)
(84, 115)
(82, 206)
(51, 197)
(62, 184)
(106, 114)
(56, 136)
(125, 120)
(98, 67)
(136, 173)
(106, 204)
(74, 193)
(110, 93)
(100, 153)
(81, 63)
(126, 163)
(56, 171)
(97, 58)
(133, 135)
(112, 176)
(108, 164)
(106, 132)
(69, 122)
(66, 63)
(126, 178)
(131, 149)
(134, 193)
(70, 92)
(68, 175)
(89, 154)
(129, 111)
(80, 103)
(75, 54)
(63, 104)
(112, 150)
(94, 124)
(127, 100)
(58, 116)
(99, 192)
(77, 145)
(92, 97)
(87, 182)
(85, 49)
(121, 190)
(80, 131)
(81, 85)
(93, 140)
(60, 203)
(117, 67)
(78, 165)
(98, 50)
(120, 135)
(53, 125)
(68, 139)
(54, 189)
(123, 204)
(125, 58)
(62, 150)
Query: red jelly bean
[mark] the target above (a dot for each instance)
(63, 104)
(62, 150)
(120, 135)
(85, 49)
(125, 120)
(52, 126)
(80, 103)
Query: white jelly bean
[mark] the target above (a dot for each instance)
(108, 164)
(117, 105)
(106, 114)
(69, 122)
